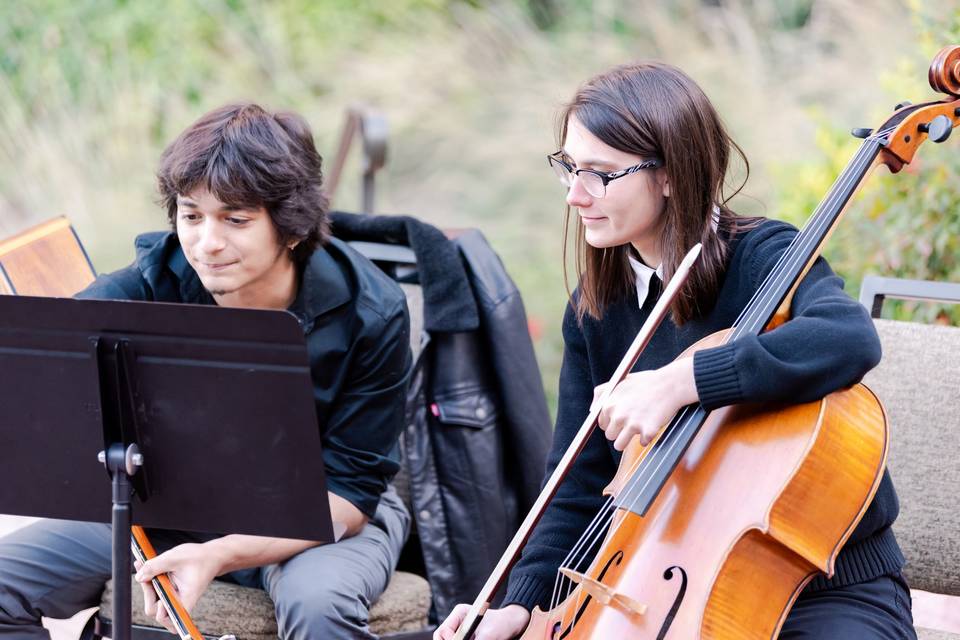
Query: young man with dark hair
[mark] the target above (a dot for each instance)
(242, 189)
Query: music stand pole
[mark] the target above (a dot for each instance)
(121, 464)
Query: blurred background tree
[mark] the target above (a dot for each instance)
(903, 226)
(92, 90)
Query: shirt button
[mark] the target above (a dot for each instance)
(425, 515)
(481, 413)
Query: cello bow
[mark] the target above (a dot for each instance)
(512, 552)
(166, 593)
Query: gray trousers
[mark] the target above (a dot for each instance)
(56, 568)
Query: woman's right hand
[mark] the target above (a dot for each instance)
(497, 624)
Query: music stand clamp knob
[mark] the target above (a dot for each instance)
(127, 460)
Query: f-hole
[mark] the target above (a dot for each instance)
(668, 575)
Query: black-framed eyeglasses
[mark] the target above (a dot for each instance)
(594, 182)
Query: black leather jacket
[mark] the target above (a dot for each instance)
(478, 428)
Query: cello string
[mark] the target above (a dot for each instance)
(870, 146)
(579, 553)
(774, 279)
(673, 436)
(790, 258)
(576, 550)
(636, 466)
(604, 515)
(590, 538)
(775, 276)
(842, 181)
(581, 550)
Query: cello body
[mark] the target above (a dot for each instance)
(763, 500)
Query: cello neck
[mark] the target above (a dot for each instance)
(770, 305)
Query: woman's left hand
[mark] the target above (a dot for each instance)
(645, 401)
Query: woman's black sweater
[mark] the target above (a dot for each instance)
(829, 343)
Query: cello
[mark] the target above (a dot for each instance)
(714, 528)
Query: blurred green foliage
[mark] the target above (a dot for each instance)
(92, 90)
(905, 225)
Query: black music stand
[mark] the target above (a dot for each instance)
(205, 414)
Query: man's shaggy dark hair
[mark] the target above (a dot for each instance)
(247, 157)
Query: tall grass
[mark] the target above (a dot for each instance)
(90, 91)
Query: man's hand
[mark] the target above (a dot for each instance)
(645, 401)
(191, 568)
(497, 624)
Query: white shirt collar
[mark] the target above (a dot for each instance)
(643, 274)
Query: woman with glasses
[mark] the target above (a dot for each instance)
(644, 156)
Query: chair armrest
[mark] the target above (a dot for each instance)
(874, 290)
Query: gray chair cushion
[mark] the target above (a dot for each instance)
(929, 634)
(918, 382)
(248, 613)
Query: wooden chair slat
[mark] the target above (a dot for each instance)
(45, 260)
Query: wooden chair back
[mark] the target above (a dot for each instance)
(45, 260)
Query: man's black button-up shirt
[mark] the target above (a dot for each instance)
(355, 322)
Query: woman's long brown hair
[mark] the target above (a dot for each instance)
(652, 109)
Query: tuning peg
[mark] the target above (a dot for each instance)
(901, 105)
(938, 129)
(861, 132)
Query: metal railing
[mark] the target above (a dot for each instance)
(373, 130)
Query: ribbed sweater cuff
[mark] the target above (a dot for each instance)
(865, 560)
(527, 591)
(718, 383)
